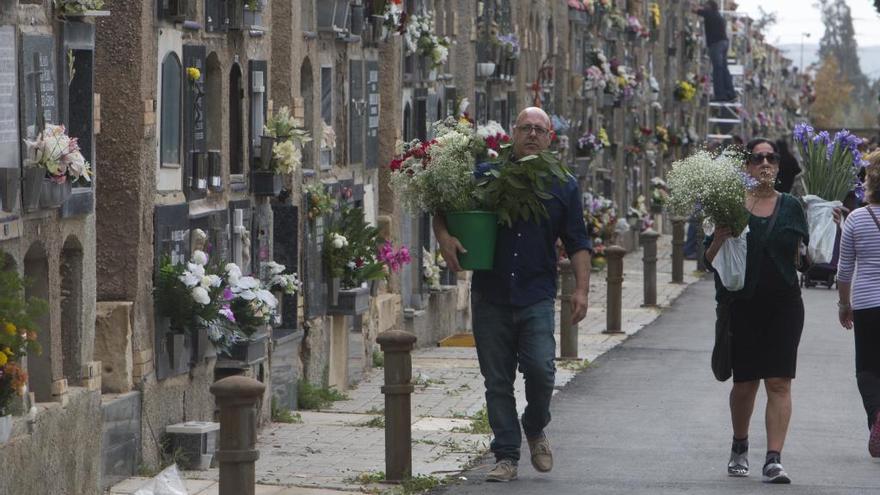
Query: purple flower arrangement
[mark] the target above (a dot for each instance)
(831, 164)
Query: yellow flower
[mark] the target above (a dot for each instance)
(7, 351)
(193, 73)
(3, 359)
(10, 328)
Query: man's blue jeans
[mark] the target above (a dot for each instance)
(722, 83)
(506, 336)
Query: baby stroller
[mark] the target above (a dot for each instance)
(823, 273)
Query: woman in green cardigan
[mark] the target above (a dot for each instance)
(767, 314)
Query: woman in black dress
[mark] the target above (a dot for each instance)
(767, 314)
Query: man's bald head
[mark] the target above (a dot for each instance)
(531, 132)
(535, 112)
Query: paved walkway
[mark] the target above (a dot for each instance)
(339, 447)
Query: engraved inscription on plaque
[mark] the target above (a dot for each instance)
(9, 142)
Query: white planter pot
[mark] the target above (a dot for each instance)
(485, 69)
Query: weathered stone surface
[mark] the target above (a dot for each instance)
(113, 345)
(59, 456)
(121, 437)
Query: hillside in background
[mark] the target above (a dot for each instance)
(869, 57)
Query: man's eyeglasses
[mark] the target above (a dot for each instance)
(758, 158)
(528, 129)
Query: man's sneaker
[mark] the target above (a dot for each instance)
(775, 473)
(738, 465)
(874, 439)
(542, 456)
(504, 470)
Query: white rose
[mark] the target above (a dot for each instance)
(200, 295)
(199, 257)
(338, 242)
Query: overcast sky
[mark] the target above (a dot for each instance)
(796, 17)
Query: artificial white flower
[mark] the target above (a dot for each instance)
(246, 283)
(339, 241)
(199, 257)
(196, 269)
(200, 295)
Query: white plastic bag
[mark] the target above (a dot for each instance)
(167, 482)
(822, 228)
(730, 262)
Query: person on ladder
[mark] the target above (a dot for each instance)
(717, 43)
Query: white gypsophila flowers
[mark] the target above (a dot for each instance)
(712, 186)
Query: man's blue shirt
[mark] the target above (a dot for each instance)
(525, 254)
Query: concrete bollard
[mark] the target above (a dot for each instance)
(237, 398)
(397, 346)
(701, 234)
(614, 303)
(678, 230)
(649, 265)
(568, 333)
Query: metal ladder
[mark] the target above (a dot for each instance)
(725, 120)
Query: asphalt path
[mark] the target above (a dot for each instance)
(649, 418)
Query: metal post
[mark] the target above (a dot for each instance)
(568, 333)
(613, 312)
(649, 265)
(397, 346)
(701, 234)
(678, 249)
(237, 397)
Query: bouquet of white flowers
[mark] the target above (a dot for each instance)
(59, 154)
(711, 186)
(438, 175)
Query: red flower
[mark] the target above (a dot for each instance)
(359, 262)
(396, 164)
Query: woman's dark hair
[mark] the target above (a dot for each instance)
(712, 4)
(782, 147)
(750, 146)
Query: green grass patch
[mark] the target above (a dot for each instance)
(283, 415)
(575, 364)
(310, 397)
(420, 484)
(479, 424)
(378, 359)
(374, 422)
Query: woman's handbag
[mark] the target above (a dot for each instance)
(722, 363)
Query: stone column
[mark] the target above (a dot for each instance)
(678, 224)
(237, 398)
(568, 333)
(397, 346)
(613, 311)
(649, 266)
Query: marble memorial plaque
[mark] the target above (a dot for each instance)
(9, 141)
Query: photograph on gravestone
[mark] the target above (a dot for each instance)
(357, 112)
(240, 235)
(38, 76)
(286, 252)
(371, 159)
(172, 239)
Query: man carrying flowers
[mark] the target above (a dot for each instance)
(513, 303)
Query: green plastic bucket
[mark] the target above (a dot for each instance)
(476, 231)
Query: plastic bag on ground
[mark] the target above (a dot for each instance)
(730, 262)
(820, 219)
(168, 482)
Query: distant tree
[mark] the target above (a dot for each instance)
(877, 5)
(833, 92)
(766, 19)
(839, 42)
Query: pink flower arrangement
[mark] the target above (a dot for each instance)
(394, 260)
